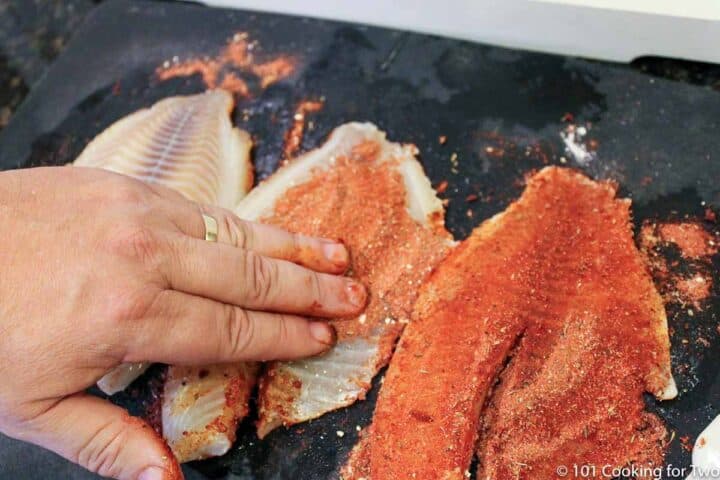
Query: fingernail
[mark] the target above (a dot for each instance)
(336, 253)
(356, 293)
(152, 473)
(324, 333)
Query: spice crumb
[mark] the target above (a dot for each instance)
(442, 186)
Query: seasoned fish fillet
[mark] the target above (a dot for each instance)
(202, 407)
(549, 300)
(185, 143)
(374, 196)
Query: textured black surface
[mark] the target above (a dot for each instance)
(501, 110)
(32, 34)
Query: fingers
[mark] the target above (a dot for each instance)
(247, 279)
(103, 438)
(190, 330)
(318, 254)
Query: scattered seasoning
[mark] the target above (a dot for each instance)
(237, 54)
(695, 289)
(238, 51)
(685, 283)
(454, 162)
(573, 136)
(710, 215)
(442, 139)
(294, 135)
(471, 198)
(568, 117)
(273, 71)
(690, 237)
(233, 83)
(442, 186)
(686, 443)
(494, 151)
(207, 69)
(646, 180)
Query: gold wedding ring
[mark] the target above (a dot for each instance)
(211, 228)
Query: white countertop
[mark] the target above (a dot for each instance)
(604, 29)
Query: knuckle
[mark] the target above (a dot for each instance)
(101, 452)
(127, 305)
(261, 278)
(238, 231)
(136, 242)
(127, 190)
(240, 332)
(316, 287)
(282, 331)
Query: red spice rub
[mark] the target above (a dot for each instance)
(208, 69)
(237, 54)
(236, 381)
(235, 84)
(696, 246)
(294, 136)
(274, 70)
(695, 290)
(362, 202)
(690, 237)
(555, 286)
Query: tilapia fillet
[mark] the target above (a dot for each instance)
(539, 335)
(185, 143)
(202, 407)
(373, 195)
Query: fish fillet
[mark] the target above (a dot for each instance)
(539, 335)
(374, 196)
(202, 407)
(185, 143)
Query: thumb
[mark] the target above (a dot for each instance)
(105, 439)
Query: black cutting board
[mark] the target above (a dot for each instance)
(502, 112)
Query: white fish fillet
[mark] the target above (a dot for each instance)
(292, 392)
(185, 143)
(202, 406)
(329, 382)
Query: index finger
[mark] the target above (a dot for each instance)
(319, 254)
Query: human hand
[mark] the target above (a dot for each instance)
(100, 269)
